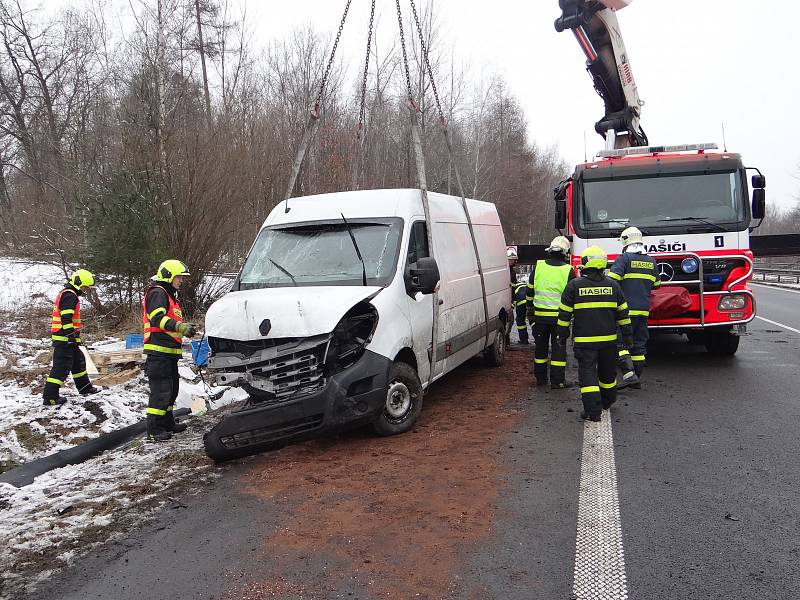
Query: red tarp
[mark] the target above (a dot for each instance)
(669, 301)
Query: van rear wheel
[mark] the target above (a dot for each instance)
(495, 355)
(403, 401)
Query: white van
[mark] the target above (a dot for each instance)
(322, 340)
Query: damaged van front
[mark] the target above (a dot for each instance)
(295, 332)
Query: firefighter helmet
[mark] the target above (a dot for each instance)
(511, 253)
(170, 269)
(560, 244)
(631, 235)
(594, 257)
(81, 279)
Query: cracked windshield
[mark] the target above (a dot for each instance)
(323, 254)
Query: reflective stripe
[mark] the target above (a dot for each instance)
(616, 276)
(637, 357)
(163, 322)
(558, 363)
(156, 411)
(59, 338)
(624, 353)
(565, 308)
(54, 380)
(640, 276)
(639, 313)
(76, 375)
(522, 326)
(608, 386)
(589, 389)
(164, 349)
(169, 408)
(596, 338)
(160, 309)
(579, 305)
(563, 323)
(623, 306)
(541, 361)
(545, 303)
(68, 311)
(657, 283)
(624, 322)
(68, 326)
(545, 313)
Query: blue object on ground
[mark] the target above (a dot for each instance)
(134, 340)
(200, 351)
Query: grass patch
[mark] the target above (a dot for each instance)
(31, 440)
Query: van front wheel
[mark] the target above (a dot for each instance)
(495, 355)
(403, 401)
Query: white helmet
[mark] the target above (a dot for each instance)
(559, 244)
(631, 235)
(511, 253)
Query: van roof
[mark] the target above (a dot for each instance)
(363, 204)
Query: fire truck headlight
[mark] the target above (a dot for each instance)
(689, 265)
(732, 302)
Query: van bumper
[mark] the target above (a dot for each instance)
(353, 397)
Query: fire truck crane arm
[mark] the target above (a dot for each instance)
(595, 26)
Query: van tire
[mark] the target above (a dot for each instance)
(495, 355)
(722, 343)
(403, 401)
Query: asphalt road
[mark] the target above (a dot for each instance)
(707, 471)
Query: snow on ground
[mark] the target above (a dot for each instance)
(27, 281)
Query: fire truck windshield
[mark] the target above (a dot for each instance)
(716, 199)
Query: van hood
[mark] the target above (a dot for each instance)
(292, 311)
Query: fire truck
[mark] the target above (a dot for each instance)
(691, 201)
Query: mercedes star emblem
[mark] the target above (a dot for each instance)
(665, 271)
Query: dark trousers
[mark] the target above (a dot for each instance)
(520, 316)
(162, 374)
(548, 351)
(597, 376)
(635, 359)
(67, 358)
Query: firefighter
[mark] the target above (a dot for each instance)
(636, 272)
(511, 255)
(164, 329)
(519, 303)
(65, 331)
(545, 287)
(597, 306)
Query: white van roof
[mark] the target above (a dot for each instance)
(365, 204)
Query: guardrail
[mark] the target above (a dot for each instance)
(776, 273)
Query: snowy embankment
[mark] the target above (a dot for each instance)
(65, 512)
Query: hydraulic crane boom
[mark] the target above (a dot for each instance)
(595, 25)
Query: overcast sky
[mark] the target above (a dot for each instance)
(698, 63)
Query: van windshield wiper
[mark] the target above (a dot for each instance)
(358, 252)
(284, 270)
(698, 219)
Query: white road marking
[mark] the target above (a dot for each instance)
(778, 324)
(774, 287)
(599, 558)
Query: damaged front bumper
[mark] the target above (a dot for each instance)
(303, 402)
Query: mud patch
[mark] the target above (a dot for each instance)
(391, 517)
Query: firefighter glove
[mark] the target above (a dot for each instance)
(186, 329)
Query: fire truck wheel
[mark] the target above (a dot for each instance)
(722, 343)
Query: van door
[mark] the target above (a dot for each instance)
(421, 311)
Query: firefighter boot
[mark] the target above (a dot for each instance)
(638, 367)
(561, 385)
(58, 401)
(587, 417)
(90, 389)
(156, 431)
(629, 377)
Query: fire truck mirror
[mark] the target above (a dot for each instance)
(759, 203)
(561, 213)
(759, 182)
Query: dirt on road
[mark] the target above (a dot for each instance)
(370, 517)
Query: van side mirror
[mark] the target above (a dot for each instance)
(759, 182)
(561, 214)
(423, 276)
(759, 207)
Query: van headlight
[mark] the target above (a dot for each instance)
(350, 337)
(732, 302)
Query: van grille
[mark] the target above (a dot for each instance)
(295, 373)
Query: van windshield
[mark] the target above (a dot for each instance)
(322, 253)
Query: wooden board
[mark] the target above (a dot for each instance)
(117, 378)
(118, 356)
(91, 368)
